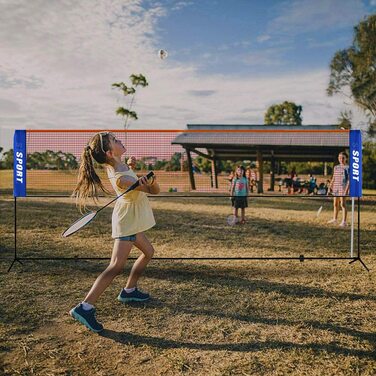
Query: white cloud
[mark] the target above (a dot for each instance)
(331, 43)
(181, 5)
(267, 57)
(300, 16)
(263, 38)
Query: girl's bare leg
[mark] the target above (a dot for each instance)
(144, 245)
(243, 214)
(344, 209)
(335, 207)
(119, 257)
(236, 213)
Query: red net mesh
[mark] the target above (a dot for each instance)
(54, 156)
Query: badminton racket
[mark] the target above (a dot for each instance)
(87, 218)
(319, 211)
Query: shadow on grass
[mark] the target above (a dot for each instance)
(254, 319)
(276, 237)
(206, 278)
(137, 340)
(49, 219)
(210, 277)
(295, 203)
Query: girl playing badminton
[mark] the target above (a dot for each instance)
(239, 192)
(339, 186)
(132, 215)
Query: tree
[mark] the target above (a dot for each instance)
(372, 129)
(50, 160)
(287, 113)
(344, 120)
(203, 164)
(7, 160)
(369, 165)
(136, 80)
(354, 69)
(174, 162)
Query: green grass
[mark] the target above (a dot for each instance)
(205, 318)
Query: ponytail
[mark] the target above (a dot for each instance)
(88, 182)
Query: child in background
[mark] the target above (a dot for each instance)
(230, 178)
(251, 175)
(312, 186)
(339, 186)
(239, 192)
(132, 215)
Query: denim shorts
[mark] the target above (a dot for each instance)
(129, 238)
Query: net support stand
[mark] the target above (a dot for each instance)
(300, 258)
(358, 258)
(15, 258)
(352, 227)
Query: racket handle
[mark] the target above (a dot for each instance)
(137, 183)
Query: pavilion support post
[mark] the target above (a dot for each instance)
(182, 162)
(214, 173)
(260, 167)
(190, 170)
(272, 173)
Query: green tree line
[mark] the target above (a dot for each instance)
(47, 160)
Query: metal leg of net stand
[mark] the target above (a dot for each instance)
(15, 259)
(301, 258)
(357, 258)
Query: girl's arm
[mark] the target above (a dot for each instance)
(247, 186)
(347, 189)
(232, 187)
(126, 181)
(132, 162)
(154, 186)
(330, 188)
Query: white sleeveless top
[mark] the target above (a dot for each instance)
(132, 212)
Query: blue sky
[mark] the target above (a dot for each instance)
(260, 37)
(228, 60)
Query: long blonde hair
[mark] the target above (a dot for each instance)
(88, 182)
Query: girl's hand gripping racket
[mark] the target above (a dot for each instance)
(87, 218)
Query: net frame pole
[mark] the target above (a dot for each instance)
(352, 227)
(358, 258)
(300, 258)
(15, 256)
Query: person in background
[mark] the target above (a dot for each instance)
(251, 175)
(312, 187)
(290, 181)
(339, 187)
(239, 192)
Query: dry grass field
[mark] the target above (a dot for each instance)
(205, 317)
(63, 182)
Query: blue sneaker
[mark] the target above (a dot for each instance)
(135, 296)
(86, 317)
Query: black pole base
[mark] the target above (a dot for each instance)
(361, 261)
(11, 265)
(300, 258)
